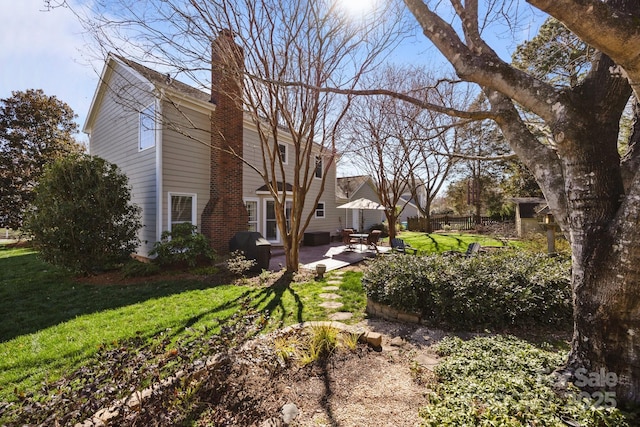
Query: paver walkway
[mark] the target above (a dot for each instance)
(334, 256)
(330, 298)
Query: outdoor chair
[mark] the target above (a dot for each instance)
(347, 239)
(472, 250)
(399, 245)
(373, 238)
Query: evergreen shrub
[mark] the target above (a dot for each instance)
(182, 245)
(510, 288)
(82, 217)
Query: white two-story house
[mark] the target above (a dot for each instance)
(159, 133)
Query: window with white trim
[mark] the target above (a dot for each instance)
(252, 211)
(282, 149)
(182, 208)
(147, 131)
(320, 210)
(319, 168)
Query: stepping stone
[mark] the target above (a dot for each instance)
(329, 296)
(373, 338)
(334, 282)
(331, 304)
(397, 342)
(331, 288)
(427, 361)
(341, 315)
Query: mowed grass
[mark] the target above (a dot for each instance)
(441, 242)
(53, 323)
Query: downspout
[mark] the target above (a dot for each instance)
(159, 174)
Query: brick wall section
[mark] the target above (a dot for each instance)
(375, 309)
(225, 213)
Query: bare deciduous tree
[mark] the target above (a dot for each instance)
(403, 146)
(281, 41)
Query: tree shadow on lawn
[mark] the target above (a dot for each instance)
(438, 242)
(273, 295)
(35, 295)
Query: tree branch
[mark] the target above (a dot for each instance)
(478, 63)
(603, 26)
(473, 115)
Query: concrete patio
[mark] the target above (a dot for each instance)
(334, 255)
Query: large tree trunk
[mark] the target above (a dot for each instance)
(605, 266)
(607, 315)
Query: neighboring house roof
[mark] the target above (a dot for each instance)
(408, 200)
(349, 185)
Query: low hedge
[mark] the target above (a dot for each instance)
(510, 288)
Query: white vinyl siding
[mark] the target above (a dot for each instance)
(186, 161)
(115, 137)
(333, 220)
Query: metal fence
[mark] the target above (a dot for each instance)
(447, 222)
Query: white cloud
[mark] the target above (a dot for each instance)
(44, 50)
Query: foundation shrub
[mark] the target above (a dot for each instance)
(182, 245)
(82, 217)
(487, 291)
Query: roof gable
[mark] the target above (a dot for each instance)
(137, 74)
(164, 81)
(349, 185)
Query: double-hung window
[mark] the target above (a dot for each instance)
(182, 208)
(319, 169)
(252, 211)
(282, 150)
(147, 131)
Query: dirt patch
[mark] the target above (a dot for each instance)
(366, 386)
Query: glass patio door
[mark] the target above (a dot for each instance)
(271, 224)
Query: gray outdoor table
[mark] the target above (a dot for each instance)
(360, 238)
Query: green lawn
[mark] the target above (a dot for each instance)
(53, 323)
(442, 242)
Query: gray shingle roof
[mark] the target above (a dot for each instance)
(164, 81)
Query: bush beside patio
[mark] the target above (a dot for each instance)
(499, 290)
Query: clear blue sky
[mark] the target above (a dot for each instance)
(46, 50)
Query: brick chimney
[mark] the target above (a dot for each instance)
(225, 213)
